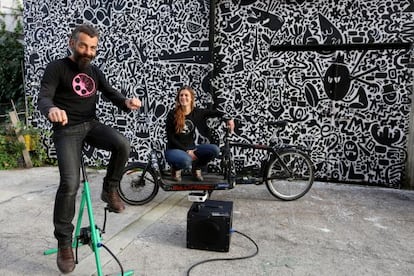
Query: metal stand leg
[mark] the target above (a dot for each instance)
(95, 233)
(92, 231)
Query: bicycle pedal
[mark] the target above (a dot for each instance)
(197, 196)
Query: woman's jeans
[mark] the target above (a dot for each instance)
(69, 142)
(179, 159)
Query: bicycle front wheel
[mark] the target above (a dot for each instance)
(290, 176)
(138, 185)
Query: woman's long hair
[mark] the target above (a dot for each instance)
(179, 116)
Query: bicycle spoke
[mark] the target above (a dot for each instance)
(138, 189)
(290, 177)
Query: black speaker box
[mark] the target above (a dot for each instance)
(209, 224)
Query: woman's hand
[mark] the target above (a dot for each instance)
(230, 125)
(191, 153)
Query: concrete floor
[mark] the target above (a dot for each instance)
(335, 229)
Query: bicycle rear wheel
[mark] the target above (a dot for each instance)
(291, 176)
(137, 188)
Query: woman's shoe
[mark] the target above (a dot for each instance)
(176, 175)
(197, 175)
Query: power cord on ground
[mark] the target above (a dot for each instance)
(229, 259)
(115, 258)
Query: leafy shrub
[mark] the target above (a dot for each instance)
(10, 150)
(11, 62)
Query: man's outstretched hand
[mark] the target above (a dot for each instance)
(57, 115)
(133, 103)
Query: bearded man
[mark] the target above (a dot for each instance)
(67, 97)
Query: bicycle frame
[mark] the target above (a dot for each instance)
(166, 186)
(272, 152)
(95, 233)
(231, 180)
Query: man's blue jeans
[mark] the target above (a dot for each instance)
(179, 159)
(69, 142)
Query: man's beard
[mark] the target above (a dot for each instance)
(83, 60)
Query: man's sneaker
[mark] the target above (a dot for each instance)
(115, 203)
(176, 175)
(65, 260)
(197, 175)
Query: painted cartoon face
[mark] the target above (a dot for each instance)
(83, 85)
(337, 81)
(351, 150)
(390, 95)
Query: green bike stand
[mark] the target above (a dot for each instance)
(91, 235)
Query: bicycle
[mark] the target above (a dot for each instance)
(286, 169)
(90, 235)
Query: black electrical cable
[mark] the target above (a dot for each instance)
(113, 255)
(228, 259)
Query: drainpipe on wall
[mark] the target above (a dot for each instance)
(409, 166)
(211, 43)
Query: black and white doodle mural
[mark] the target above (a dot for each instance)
(350, 107)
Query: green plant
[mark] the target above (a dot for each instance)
(11, 61)
(10, 150)
(38, 154)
